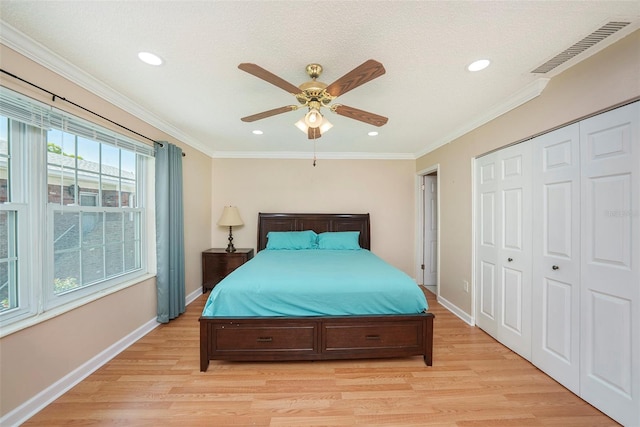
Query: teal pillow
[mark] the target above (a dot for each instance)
(339, 240)
(292, 240)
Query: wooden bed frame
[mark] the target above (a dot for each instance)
(315, 338)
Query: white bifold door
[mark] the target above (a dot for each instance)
(557, 273)
(610, 282)
(503, 255)
(556, 259)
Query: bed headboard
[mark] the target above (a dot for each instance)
(317, 222)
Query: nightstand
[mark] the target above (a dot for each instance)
(217, 264)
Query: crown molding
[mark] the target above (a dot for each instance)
(309, 155)
(38, 53)
(526, 94)
(31, 49)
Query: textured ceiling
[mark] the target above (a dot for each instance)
(199, 95)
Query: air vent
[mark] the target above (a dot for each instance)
(584, 44)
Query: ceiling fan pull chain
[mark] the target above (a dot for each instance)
(314, 153)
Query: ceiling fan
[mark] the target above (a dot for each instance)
(315, 94)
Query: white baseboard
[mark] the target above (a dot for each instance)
(457, 311)
(192, 296)
(34, 405)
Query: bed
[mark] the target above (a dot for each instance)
(239, 332)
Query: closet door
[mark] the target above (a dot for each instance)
(556, 260)
(504, 247)
(487, 220)
(610, 317)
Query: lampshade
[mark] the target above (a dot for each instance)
(230, 217)
(313, 118)
(324, 126)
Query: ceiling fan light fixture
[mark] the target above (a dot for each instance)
(324, 126)
(300, 124)
(313, 118)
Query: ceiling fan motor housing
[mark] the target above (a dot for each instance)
(313, 91)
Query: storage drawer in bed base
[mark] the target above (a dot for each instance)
(315, 338)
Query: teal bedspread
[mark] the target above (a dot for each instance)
(315, 283)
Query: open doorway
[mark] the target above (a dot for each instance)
(430, 232)
(428, 226)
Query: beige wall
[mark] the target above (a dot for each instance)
(382, 188)
(608, 78)
(35, 358)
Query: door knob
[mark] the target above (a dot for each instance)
(509, 259)
(555, 267)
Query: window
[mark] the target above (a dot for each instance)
(8, 228)
(72, 214)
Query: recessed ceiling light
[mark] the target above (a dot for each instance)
(257, 132)
(373, 133)
(149, 58)
(478, 65)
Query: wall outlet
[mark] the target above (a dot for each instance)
(465, 286)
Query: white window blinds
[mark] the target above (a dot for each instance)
(24, 109)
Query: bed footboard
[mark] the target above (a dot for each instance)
(315, 338)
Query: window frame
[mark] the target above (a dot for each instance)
(29, 184)
(17, 184)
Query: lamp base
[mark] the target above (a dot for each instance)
(230, 247)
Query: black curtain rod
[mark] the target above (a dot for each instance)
(54, 96)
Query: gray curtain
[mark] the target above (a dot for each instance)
(169, 232)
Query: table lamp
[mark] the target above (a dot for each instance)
(230, 218)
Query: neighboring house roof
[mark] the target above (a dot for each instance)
(88, 166)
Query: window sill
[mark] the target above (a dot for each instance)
(50, 314)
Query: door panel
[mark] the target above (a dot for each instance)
(556, 260)
(610, 232)
(487, 290)
(617, 311)
(610, 339)
(503, 250)
(487, 244)
(513, 227)
(556, 319)
(487, 219)
(560, 212)
(512, 300)
(515, 252)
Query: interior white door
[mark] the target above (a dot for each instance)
(503, 249)
(556, 255)
(514, 328)
(487, 220)
(430, 261)
(610, 318)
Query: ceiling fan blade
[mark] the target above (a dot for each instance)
(314, 133)
(269, 113)
(363, 116)
(268, 76)
(360, 75)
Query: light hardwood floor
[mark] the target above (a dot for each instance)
(474, 381)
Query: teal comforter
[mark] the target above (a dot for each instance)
(315, 283)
